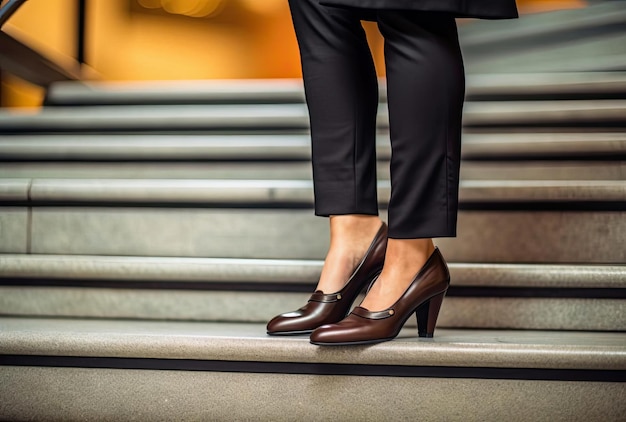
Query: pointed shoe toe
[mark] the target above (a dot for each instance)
(423, 297)
(320, 309)
(290, 323)
(324, 334)
(346, 332)
(355, 329)
(331, 308)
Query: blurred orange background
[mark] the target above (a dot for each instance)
(174, 39)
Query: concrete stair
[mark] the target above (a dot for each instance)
(502, 296)
(210, 218)
(542, 156)
(89, 369)
(292, 118)
(147, 233)
(480, 87)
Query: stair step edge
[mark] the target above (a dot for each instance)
(291, 90)
(248, 342)
(286, 191)
(284, 147)
(280, 117)
(288, 271)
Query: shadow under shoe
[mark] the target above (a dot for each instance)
(331, 308)
(423, 297)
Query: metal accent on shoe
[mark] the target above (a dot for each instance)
(325, 298)
(364, 313)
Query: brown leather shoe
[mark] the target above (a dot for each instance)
(423, 297)
(330, 308)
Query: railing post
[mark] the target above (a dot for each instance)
(81, 30)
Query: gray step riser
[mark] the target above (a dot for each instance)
(35, 393)
(210, 289)
(483, 236)
(278, 118)
(126, 147)
(588, 170)
(86, 269)
(564, 85)
(260, 307)
(479, 194)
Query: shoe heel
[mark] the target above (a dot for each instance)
(427, 314)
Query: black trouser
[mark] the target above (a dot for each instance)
(425, 90)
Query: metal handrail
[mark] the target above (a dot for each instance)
(8, 9)
(27, 63)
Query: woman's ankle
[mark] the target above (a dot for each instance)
(408, 254)
(353, 226)
(350, 237)
(403, 260)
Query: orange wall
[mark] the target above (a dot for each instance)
(249, 39)
(239, 43)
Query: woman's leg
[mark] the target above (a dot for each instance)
(342, 96)
(425, 91)
(425, 88)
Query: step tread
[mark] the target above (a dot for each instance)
(284, 147)
(291, 90)
(495, 113)
(206, 191)
(294, 116)
(157, 117)
(154, 147)
(248, 342)
(541, 144)
(289, 271)
(546, 84)
(138, 92)
(586, 169)
(14, 189)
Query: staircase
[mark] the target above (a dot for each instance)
(149, 231)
